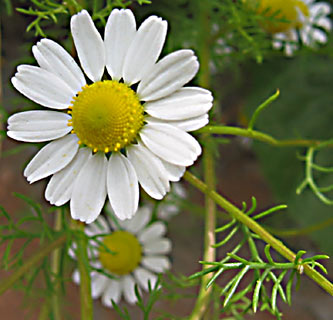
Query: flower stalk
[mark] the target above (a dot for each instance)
(209, 253)
(263, 137)
(83, 266)
(55, 268)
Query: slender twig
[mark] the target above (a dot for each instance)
(205, 293)
(259, 230)
(83, 266)
(257, 135)
(55, 266)
(31, 262)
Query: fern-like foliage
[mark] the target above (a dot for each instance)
(257, 282)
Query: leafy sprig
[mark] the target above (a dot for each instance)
(309, 180)
(263, 271)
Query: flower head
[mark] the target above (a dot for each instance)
(110, 132)
(138, 253)
(306, 17)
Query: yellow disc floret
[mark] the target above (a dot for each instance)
(106, 116)
(126, 252)
(282, 15)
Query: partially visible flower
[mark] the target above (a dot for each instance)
(289, 18)
(140, 253)
(170, 205)
(132, 128)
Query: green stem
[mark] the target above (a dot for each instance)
(262, 107)
(257, 229)
(83, 266)
(55, 267)
(302, 231)
(257, 135)
(209, 253)
(31, 262)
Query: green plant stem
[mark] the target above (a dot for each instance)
(257, 135)
(55, 267)
(31, 262)
(257, 229)
(209, 254)
(262, 107)
(301, 231)
(83, 266)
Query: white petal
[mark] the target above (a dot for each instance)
(151, 173)
(119, 34)
(138, 222)
(76, 276)
(60, 186)
(319, 10)
(156, 263)
(187, 125)
(174, 172)
(43, 87)
(325, 24)
(143, 276)
(89, 191)
(89, 45)
(168, 75)
(151, 233)
(98, 285)
(128, 284)
(97, 227)
(171, 144)
(167, 211)
(319, 36)
(54, 58)
(183, 104)
(144, 49)
(158, 246)
(38, 126)
(112, 291)
(52, 158)
(123, 187)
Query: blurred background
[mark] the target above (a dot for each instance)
(244, 168)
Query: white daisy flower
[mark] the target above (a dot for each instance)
(170, 206)
(140, 253)
(132, 128)
(306, 19)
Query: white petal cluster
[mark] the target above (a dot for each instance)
(312, 32)
(164, 147)
(154, 245)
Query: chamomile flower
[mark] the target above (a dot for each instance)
(110, 133)
(139, 254)
(304, 19)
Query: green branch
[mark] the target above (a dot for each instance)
(84, 270)
(309, 179)
(260, 231)
(209, 253)
(31, 262)
(263, 137)
(55, 268)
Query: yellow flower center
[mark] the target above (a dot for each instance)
(106, 116)
(285, 10)
(127, 252)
